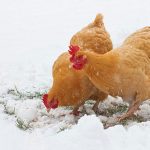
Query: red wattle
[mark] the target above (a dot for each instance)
(78, 62)
(72, 58)
(54, 104)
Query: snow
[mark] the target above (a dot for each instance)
(87, 134)
(32, 34)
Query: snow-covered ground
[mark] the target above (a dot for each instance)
(32, 34)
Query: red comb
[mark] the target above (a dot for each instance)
(45, 100)
(73, 49)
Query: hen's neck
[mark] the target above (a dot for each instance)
(102, 62)
(102, 69)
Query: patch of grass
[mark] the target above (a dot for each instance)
(115, 109)
(68, 107)
(2, 103)
(24, 95)
(134, 118)
(125, 122)
(14, 92)
(90, 102)
(7, 111)
(22, 125)
(138, 119)
(61, 129)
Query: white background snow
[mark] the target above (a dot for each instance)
(32, 34)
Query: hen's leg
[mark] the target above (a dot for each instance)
(134, 107)
(95, 107)
(101, 97)
(75, 110)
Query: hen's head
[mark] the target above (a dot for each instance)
(50, 104)
(78, 61)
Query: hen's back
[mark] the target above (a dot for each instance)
(140, 40)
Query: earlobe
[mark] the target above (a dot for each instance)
(72, 58)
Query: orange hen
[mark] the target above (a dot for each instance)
(71, 87)
(124, 71)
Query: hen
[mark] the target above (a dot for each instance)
(71, 87)
(124, 71)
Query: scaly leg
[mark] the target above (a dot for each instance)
(134, 107)
(95, 107)
(75, 110)
(101, 97)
